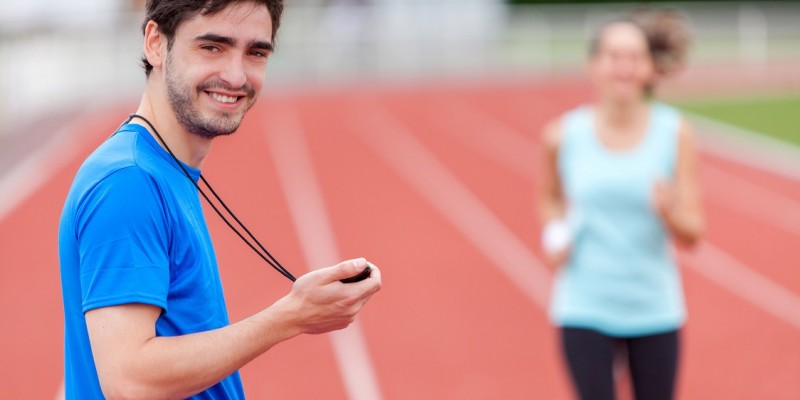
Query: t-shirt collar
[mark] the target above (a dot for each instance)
(194, 172)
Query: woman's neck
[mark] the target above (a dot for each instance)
(621, 126)
(622, 116)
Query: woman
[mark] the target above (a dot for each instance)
(620, 182)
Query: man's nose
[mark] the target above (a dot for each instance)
(233, 73)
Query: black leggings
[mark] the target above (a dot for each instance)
(652, 361)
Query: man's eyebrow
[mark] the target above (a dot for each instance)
(261, 45)
(229, 41)
(212, 37)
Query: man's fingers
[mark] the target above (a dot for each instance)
(343, 270)
(374, 281)
(329, 304)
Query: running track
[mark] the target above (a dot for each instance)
(436, 185)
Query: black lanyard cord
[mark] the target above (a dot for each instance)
(266, 255)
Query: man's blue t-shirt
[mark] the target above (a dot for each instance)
(132, 231)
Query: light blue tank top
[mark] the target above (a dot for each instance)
(621, 278)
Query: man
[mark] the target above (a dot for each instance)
(144, 312)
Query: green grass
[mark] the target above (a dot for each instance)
(777, 116)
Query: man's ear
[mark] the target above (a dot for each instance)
(155, 44)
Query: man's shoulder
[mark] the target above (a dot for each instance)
(128, 147)
(119, 158)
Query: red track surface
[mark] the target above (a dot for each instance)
(448, 324)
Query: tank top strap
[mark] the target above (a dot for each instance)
(576, 124)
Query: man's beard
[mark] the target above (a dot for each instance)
(184, 105)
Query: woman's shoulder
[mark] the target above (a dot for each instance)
(674, 118)
(551, 134)
(555, 130)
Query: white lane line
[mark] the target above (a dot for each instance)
(494, 139)
(747, 147)
(26, 177)
(747, 198)
(711, 262)
(476, 129)
(725, 270)
(287, 144)
(519, 154)
(60, 394)
(757, 151)
(413, 162)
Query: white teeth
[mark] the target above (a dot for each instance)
(223, 99)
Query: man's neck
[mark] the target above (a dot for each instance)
(189, 148)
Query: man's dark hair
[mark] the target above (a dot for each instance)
(169, 14)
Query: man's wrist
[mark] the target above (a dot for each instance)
(283, 318)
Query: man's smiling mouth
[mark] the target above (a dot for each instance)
(223, 98)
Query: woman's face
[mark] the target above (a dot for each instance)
(621, 66)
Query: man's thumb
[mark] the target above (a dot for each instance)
(346, 269)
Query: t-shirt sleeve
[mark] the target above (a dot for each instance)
(123, 241)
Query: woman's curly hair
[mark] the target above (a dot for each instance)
(668, 37)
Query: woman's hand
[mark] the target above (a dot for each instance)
(558, 258)
(664, 200)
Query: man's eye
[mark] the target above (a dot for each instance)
(213, 49)
(261, 54)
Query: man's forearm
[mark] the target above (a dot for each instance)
(132, 362)
(180, 366)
